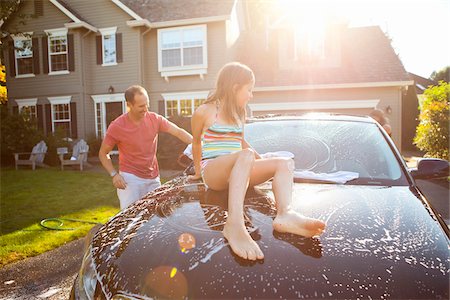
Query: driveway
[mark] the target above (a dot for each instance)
(46, 276)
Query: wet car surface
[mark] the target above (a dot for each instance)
(382, 240)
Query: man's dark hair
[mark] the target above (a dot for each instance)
(132, 91)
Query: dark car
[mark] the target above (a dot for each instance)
(383, 239)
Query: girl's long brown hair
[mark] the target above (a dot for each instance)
(231, 77)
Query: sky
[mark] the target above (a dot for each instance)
(419, 29)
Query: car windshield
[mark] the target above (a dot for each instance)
(325, 147)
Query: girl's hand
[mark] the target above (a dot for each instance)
(194, 177)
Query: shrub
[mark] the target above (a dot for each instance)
(18, 134)
(53, 141)
(94, 145)
(432, 131)
(169, 147)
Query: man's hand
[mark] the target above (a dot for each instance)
(119, 182)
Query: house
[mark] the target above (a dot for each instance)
(80, 56)
(73, 67)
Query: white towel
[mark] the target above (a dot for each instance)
(278, 154)
(337, 177)
(188, 152)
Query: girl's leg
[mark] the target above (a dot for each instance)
(233, 172)
(287, 219)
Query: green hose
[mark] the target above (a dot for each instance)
(61, 223)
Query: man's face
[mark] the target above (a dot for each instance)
(140, 106)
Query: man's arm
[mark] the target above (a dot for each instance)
(103, 155)
(180, 133)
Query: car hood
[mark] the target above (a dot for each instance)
(380, 242)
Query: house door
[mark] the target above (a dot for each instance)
(112, 111)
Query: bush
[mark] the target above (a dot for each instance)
(53, 141)
(18, 134)
(169, 147)
(432, 131)
(94, 145)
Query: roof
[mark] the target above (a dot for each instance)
(366, 57)
(421, 83)
(170, 10)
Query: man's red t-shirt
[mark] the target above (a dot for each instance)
(137, 143)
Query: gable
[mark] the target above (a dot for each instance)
(51, 17)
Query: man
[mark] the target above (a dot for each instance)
(136, 134)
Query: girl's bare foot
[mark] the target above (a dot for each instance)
(296, 223)
(241, 242)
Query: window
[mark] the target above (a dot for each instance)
(183, 104)
(60, 109)
(109, 52)
(23, 55)
(27, 107)
(309, 45)
(182, 49)
(58, 51)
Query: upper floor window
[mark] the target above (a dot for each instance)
(58, 51)
(183, 104)
(23, 55)
(182, 50)
(109, 53)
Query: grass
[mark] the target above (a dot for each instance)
(27, 197)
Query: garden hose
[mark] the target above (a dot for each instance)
(61, 223)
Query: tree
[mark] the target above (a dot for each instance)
(3, 95)
(432, 131)
(443, 74)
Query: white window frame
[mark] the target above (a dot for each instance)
(60, 100)
(31, 102)
(199, 69)
(183, 96)
(105, 32)
(315, 44)
(25, 37)
(58, 32)
(102, 100)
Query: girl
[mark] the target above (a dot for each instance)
(225, 160)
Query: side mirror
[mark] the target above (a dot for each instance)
(429, 168)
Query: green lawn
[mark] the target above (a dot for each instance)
(27, 197)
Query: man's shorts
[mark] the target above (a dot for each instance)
(137, 188)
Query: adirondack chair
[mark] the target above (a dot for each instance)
(36, 156)
(79, 155)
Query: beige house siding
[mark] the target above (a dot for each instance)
(385, 96)
(39, 85)
(156, 85)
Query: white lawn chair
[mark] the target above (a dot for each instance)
(79, 155)
(36, 157)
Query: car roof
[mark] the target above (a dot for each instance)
(312, 116)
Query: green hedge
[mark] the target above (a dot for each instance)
(432, 131)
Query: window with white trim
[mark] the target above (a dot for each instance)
(182, 48)
(57, 50)
(27, 107)
(183, 104)
(60, 108)
(109, 51)
(23, 54)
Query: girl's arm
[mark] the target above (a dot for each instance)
(197, 123)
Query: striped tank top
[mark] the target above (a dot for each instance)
(220, 140)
